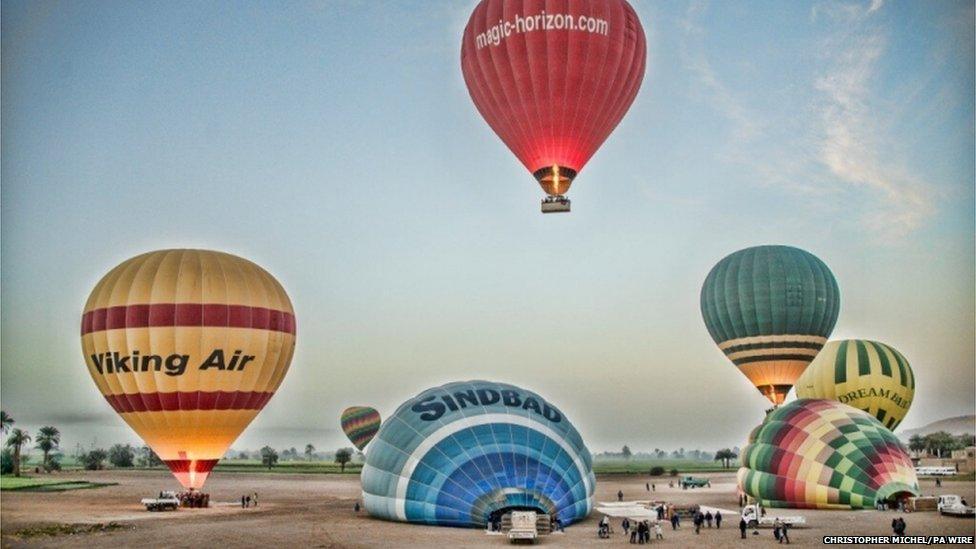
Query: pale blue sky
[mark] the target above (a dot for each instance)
(334, 143)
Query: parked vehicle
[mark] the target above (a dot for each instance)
(694, 482)
(167, 501)
(953, 506)
(753, 515)
(931, 471)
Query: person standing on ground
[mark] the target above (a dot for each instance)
(647, 486)
(784, 533)
(242, 502)
(776, 530)
(248, 500)
(654, 488)
(620, 495)
(658, 533)
(625, 525)
(674, 521)
(742, 527)
(708, 518)
(718, 519)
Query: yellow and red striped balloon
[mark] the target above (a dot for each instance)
(188, 346)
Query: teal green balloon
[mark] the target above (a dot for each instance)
(770, 309)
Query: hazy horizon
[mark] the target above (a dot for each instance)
(335, 144)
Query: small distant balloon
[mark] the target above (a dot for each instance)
(360, 423)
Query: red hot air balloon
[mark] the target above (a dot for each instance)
(553, 78)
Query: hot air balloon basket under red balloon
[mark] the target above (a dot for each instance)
(555, 204)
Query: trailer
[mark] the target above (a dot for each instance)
(524, 526)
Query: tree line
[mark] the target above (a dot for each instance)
(48, 439)
(724, 455)
(939, 444)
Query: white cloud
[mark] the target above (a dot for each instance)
(840, 146)
(851, 132)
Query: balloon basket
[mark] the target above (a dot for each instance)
(555, 204)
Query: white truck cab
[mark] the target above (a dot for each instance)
(753, 516)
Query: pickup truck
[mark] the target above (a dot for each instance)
(167, 501)
(753, 515)
(524, 527)
(694, 482)
(953, 506)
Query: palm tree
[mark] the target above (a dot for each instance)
(726, 456)
(5, 421)
(48, 439)
(17, 439)
(309, 450)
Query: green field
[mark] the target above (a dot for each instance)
(643, 466)
(297, 467)
(35, 484)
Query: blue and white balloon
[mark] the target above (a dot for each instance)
(455, 454)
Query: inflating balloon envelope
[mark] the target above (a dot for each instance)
(824, 454)
(188, 346)
(465, 453)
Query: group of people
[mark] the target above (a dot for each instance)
(884, 505)
(641, 533)
(193, 498)
(251, 499)
(700, 519)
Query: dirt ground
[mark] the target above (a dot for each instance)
(317, 511)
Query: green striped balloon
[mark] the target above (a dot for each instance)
(770, 309)
(868, 375)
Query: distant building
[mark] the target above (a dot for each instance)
(963, 460)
